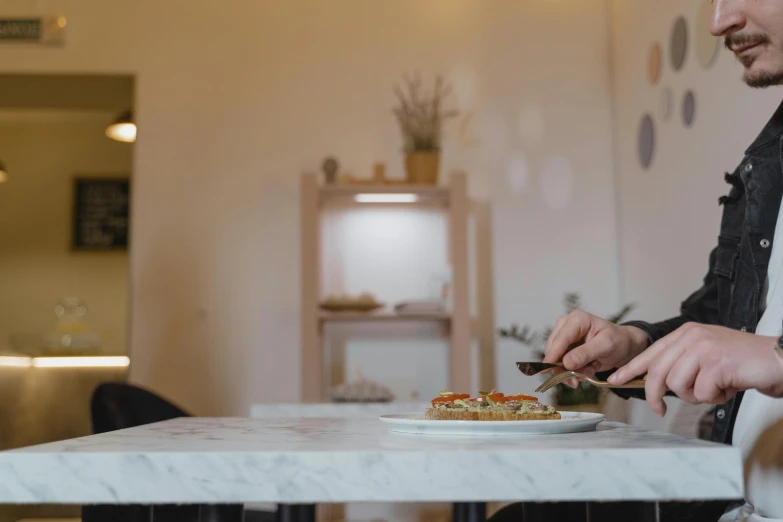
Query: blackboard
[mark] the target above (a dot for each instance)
(100, 216)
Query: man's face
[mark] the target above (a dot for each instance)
(753, 30)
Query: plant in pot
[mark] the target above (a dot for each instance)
(585, 393)
(421, 117)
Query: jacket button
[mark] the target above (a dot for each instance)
(764, 243)
(748, 167)
(721, 414)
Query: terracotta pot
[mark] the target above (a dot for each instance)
(422, 167)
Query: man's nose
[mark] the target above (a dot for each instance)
(727, 17)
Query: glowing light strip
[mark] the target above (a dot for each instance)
(386, 198)
(119, 361)
(17, 362)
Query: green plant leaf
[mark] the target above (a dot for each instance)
(622, 314)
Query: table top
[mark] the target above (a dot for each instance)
(201, 460)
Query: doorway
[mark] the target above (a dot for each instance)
(66, 161)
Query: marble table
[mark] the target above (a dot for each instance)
(309, 461)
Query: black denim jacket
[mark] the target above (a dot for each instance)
(734, 285)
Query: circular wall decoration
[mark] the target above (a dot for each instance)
(707, 46)
(679, 43)
(517, 173)
(646, 141)
(689, 108)
(665, 103)
(654, 64)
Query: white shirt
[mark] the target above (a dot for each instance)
(758, 431)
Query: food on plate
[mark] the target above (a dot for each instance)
(488, 406)
(345, 302)
(450, 406)
(366, 298)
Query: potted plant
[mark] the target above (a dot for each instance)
(421, 117)
(583, 394)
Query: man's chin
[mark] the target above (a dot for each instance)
(763, 78)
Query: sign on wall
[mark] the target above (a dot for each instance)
(46, 30)
(101, 213)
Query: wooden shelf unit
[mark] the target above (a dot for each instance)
(454, 199)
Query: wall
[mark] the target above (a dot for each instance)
(669, 214)
(234, 99)
(44, 151)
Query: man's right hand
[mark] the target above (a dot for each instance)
(588, 344)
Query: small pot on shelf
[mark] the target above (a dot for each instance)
(421, 167)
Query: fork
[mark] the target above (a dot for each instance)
(562, 377)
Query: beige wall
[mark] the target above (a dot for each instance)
(235, 99)
(45, 151)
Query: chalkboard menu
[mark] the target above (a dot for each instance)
(101, 213)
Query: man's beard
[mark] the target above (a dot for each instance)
(761, 79)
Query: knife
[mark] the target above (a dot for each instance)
(534, 368)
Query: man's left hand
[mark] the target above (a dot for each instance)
(705, 364)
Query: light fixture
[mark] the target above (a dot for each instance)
(3, 173)
(119, 361)
(15, 361)
(108, 361)
(123, 129)
(386, 198)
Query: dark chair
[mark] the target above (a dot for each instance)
(116, 406)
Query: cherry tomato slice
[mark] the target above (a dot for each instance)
(450, 398)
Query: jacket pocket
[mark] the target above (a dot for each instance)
(725, 271)
(726, 257)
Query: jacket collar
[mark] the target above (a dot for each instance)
(772, 130)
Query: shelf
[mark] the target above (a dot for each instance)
(423, 194)
(381, 317)
(451, 199)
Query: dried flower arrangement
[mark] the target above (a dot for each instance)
(421, 114)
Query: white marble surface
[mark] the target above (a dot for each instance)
(332, 410)
(199, 460)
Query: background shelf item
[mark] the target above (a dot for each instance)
(358, 308)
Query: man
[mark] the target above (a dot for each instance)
(710, 353)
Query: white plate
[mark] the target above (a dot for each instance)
(570, 422)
